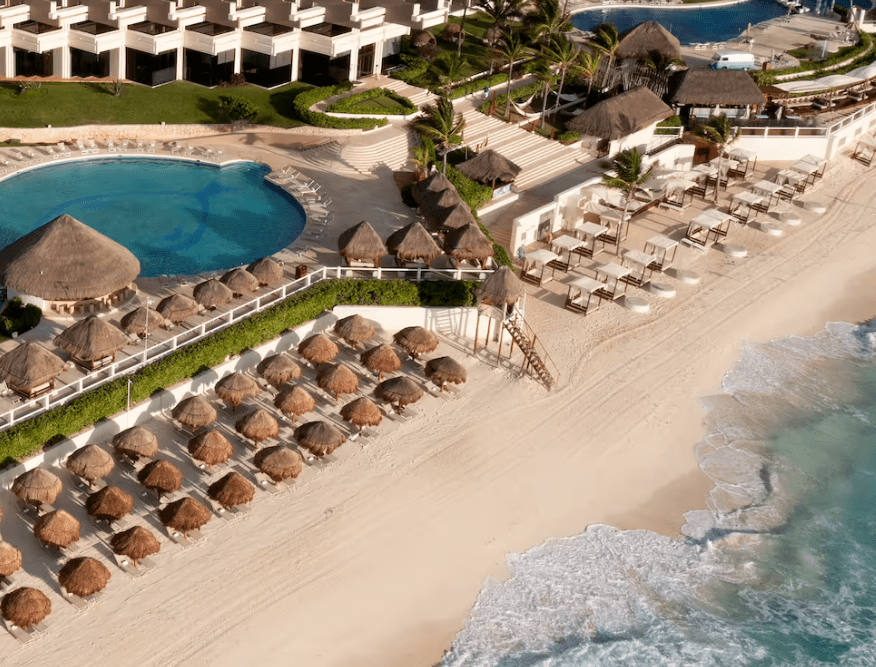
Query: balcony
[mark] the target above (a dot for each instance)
(38, 37)
(269, 38)
(152, 38)
(211, 38)
(95, 37)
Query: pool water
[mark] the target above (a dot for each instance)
(177, 217)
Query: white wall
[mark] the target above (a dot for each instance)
(26, 298)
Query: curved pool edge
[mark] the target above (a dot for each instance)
(650, 5)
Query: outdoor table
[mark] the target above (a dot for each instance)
(534, 267)
(710, 226)
(767, 189)
(586, 289)
(663, 248)
(612, 275)
(591, 233)
(564, 244)
(638, 262)
(744, 200)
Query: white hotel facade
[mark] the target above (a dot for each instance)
(271, 42)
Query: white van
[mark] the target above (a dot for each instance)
(733, 60)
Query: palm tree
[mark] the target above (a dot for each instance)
(607, 41)
(588, 63)
(562, 54)
(629, 176)
(462, 28)
(547, 20)
(500, 10)
(440, 124)
(449, 67)
(512, 49)
(545, 76)
(719, 132)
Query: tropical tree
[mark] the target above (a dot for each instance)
(588, 63)
(440, 124)
(629, 175)
(462, 28)
(547, 20)
(420, 159)
(720, 133)
(512, 49)
(607, 41)
(544, 74)
(500, 10)
(562, 55)
(449, 67)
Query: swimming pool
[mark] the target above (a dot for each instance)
(176, 216)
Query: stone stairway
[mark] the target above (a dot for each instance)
(358, 155)
(417, 96)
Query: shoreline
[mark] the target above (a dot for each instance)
(646, 5)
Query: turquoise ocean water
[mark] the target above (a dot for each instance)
(781, 570)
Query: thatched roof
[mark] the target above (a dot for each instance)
(362, 412)
(422, 37)
(59, 528)
(361, 242)
(211, 447)
(37, 486)
(337, 379)
(29, 365)
(445, 369)
(25, 607)
(92, 338)
(90, 462)
(399, 390)
(109, 504)
(10, 559)
(236, 386)
(66, 260)
(435, 182)
(136, 543)
(136, 442)
(646, 39)
(442, 198)
(413, 242)
(135, 321)
(416, 340)
(212, 293)
(177, 308)
(469, 244)
(319, 437)
(501, 288)
(488, 166)
(258, 425)
(279, 463)
(83, 576)
(240, 281)
(267, 271)
(295, 401)
(232, 490)
(727, 87)
(279, 368)
(318, 349)
(354, 329)
(194, 411)
(381, 359)
(440, 218)
(621, 115)
(184, 515)
(161, 476)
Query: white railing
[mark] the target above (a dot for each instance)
(150, 353)
(793, 131)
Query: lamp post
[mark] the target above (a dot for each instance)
(128, 410)
(146, 334)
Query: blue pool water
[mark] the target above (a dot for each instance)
(177, 217)
(793, 582)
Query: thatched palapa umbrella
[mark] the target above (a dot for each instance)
(440, 218)
(442, 199)
(337, 379)
(240, 281)
(257, 426)
(416, 340)
(184, 515)
(279, 369)
(211, 447)
(37, 486)
(362, 412)
(354, 329)
(411, 243)
(29, 366)
(646, 40)
(488, 166)
(267, 271)
(469, 244)
(109, 504)
(83, 576)
(279, 463)
(621, 115)
(294, 402)
(10, 559)
(318, 349)
(501, 288)
(90, 463)
(320, 438)
(435, 182)
(232, 490)
(177, 307)
(194, 411)
(361, 242)
(400, 391)
(136, 543)
(381, 359)
(137, 321)
(135, 442)
(91, 339)
(58, 528)
(160, 476)
(25, 607)
(445, 369)
(234, 387)
(212, 294)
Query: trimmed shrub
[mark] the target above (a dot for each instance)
(303, 102)
(18, 318)
(470, 87)
(354, 103)
(569, 137)
(415, 68)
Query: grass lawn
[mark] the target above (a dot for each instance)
(384, 102)
(68, 104)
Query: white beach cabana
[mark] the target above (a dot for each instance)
(583, 296)
(535, 265)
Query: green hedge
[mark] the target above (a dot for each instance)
(26, 438)
(415, 68)
(470, 87)
(18, 318)
(303, 102)
(353, 103)
(476, 195)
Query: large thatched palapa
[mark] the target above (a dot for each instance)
(435, 182)
(416, 340)
(320, 438)
(30, 369)
(161, 476)
(210, 447)
(488, 166)
(354, 329)
(194, 411)
(718, 87)
(136, 543)
(37, 486)
(279, 369)
(445, 369)
(240, 281)
(501, 288)
(440, 218)
(294, 402)
(337, 379)
(178, 307)
(10, 559)
(267, 271)
(83, 576)
(236, 386)
(361, 243)
(318, 349)
(64, 262)
(232, 490)
(25, 607)
(469, 244)
(58, 528)
(184, 515)
(381, 359)
(212, 293)
(258, 425)
(90, 463)
(109, 504)
(140, 320)
(646, 40)
(92, 340)
(362, 412)
(621, 115)
(400, 391)
(413, 243)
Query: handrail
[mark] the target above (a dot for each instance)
(539, 348)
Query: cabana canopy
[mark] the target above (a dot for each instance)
(362, 412)
(501, 288)
(59, 528)
(109, 504)
(37, 485)
(236, 386)
(318, 349)
(441, 218)
(29, 366)
(412, 242)
(136, 543)
(232, 490)
(295, 401)
(361, 242)
(184, 515)
(135, 322)
(210, 447)
(399, 390)
(267, 271)
(470, 244)
(416, 340)
(177, 308)
(355, 329)
(488, 166)
(136, 442)
(90, 462)
(25, 607)
(161, 476)
(445, 369)
(279, 368)
(258, 425)
(621, 115)
(83, 576)
(435, 182)
(381, 359)
(722, 87)
(91, 339)
(647, 39)
(319, 437)
(194, 411)
(279, 462)
(337, 379)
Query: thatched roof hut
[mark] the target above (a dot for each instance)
(232, 490)
(10, 559)
(161, 476)
(469, 244)
(445, 369)
(399, 390)
(210, 447)
(184, 515)
(92, 339)
(83, 576)
(136, 543)
(440, 218)
(442, 198)
(354, 329)
(212, 293)
(240, 281)
(488, 166)
(362, 412)
(435, 182)
(236, 386)
(621, 115)
(109, 504)
(279, 463)
(135, 442)
(724, 87)
(194, 411)
(90, 463)
(258, 425)
(30, 366)
(59, 528)
(318, 349)
(178, 307)
(37, 486)
(267, 271)
(136, 321)
(411, 243)
(381, 359)
(320, 438)
(416, 340)
(294, 402)
(422, 38)
(25, 607)
(361, 242)
(337, 379)
(65, 260)
(279, 369)
(501, 288)
(647, 39)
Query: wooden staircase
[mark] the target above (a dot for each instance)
(538, 361)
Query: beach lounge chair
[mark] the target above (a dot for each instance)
(127, 565)
(21, 634)
(93, 147)
(141, 147)
(178, 537)
(75, 600)
(63, 149)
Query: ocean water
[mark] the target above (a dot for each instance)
(781, 568)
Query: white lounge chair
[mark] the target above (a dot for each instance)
(140, 146)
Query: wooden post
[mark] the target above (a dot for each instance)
(501, 333)
(489, 326)
(477, 326)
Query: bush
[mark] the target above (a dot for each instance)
(415, 68)
(18, 318)
(303, 102)
(569, 137)
(517, 94)
(470, 87)
(27, 437)
(842, 12)
(353, 103)
(238, 108)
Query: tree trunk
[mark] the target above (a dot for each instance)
(544, 101)
(510, 76)
(462, 31)
(560, 91)
(720, 164)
